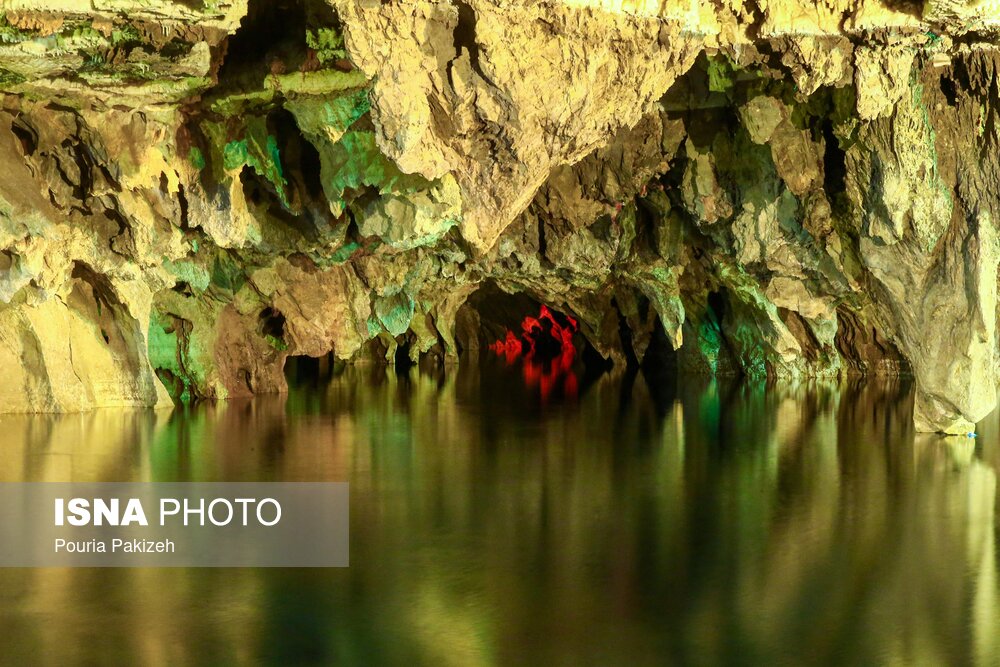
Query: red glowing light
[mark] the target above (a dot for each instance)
(511, 347)
(545, 374)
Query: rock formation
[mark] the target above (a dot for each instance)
(195, 191)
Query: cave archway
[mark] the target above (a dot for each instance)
(280, 25)
(488, 314)
(541, 343)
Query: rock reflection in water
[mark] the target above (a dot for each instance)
(644, 523)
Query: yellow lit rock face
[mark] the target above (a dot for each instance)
(195, 192)
(500, 94)
(222, 15)
(62, 364)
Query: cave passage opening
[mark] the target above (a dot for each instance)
(544, 350)
(281, 25)
(516, 325)
(522, 335)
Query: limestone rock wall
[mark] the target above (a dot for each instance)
(193, 192)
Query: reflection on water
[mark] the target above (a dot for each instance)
(643, 524)
(546, 351)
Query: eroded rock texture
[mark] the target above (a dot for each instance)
(194, 192)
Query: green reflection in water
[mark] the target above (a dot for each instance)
(647, 524)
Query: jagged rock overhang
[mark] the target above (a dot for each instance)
(370, 255)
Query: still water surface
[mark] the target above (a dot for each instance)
(640, 524)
